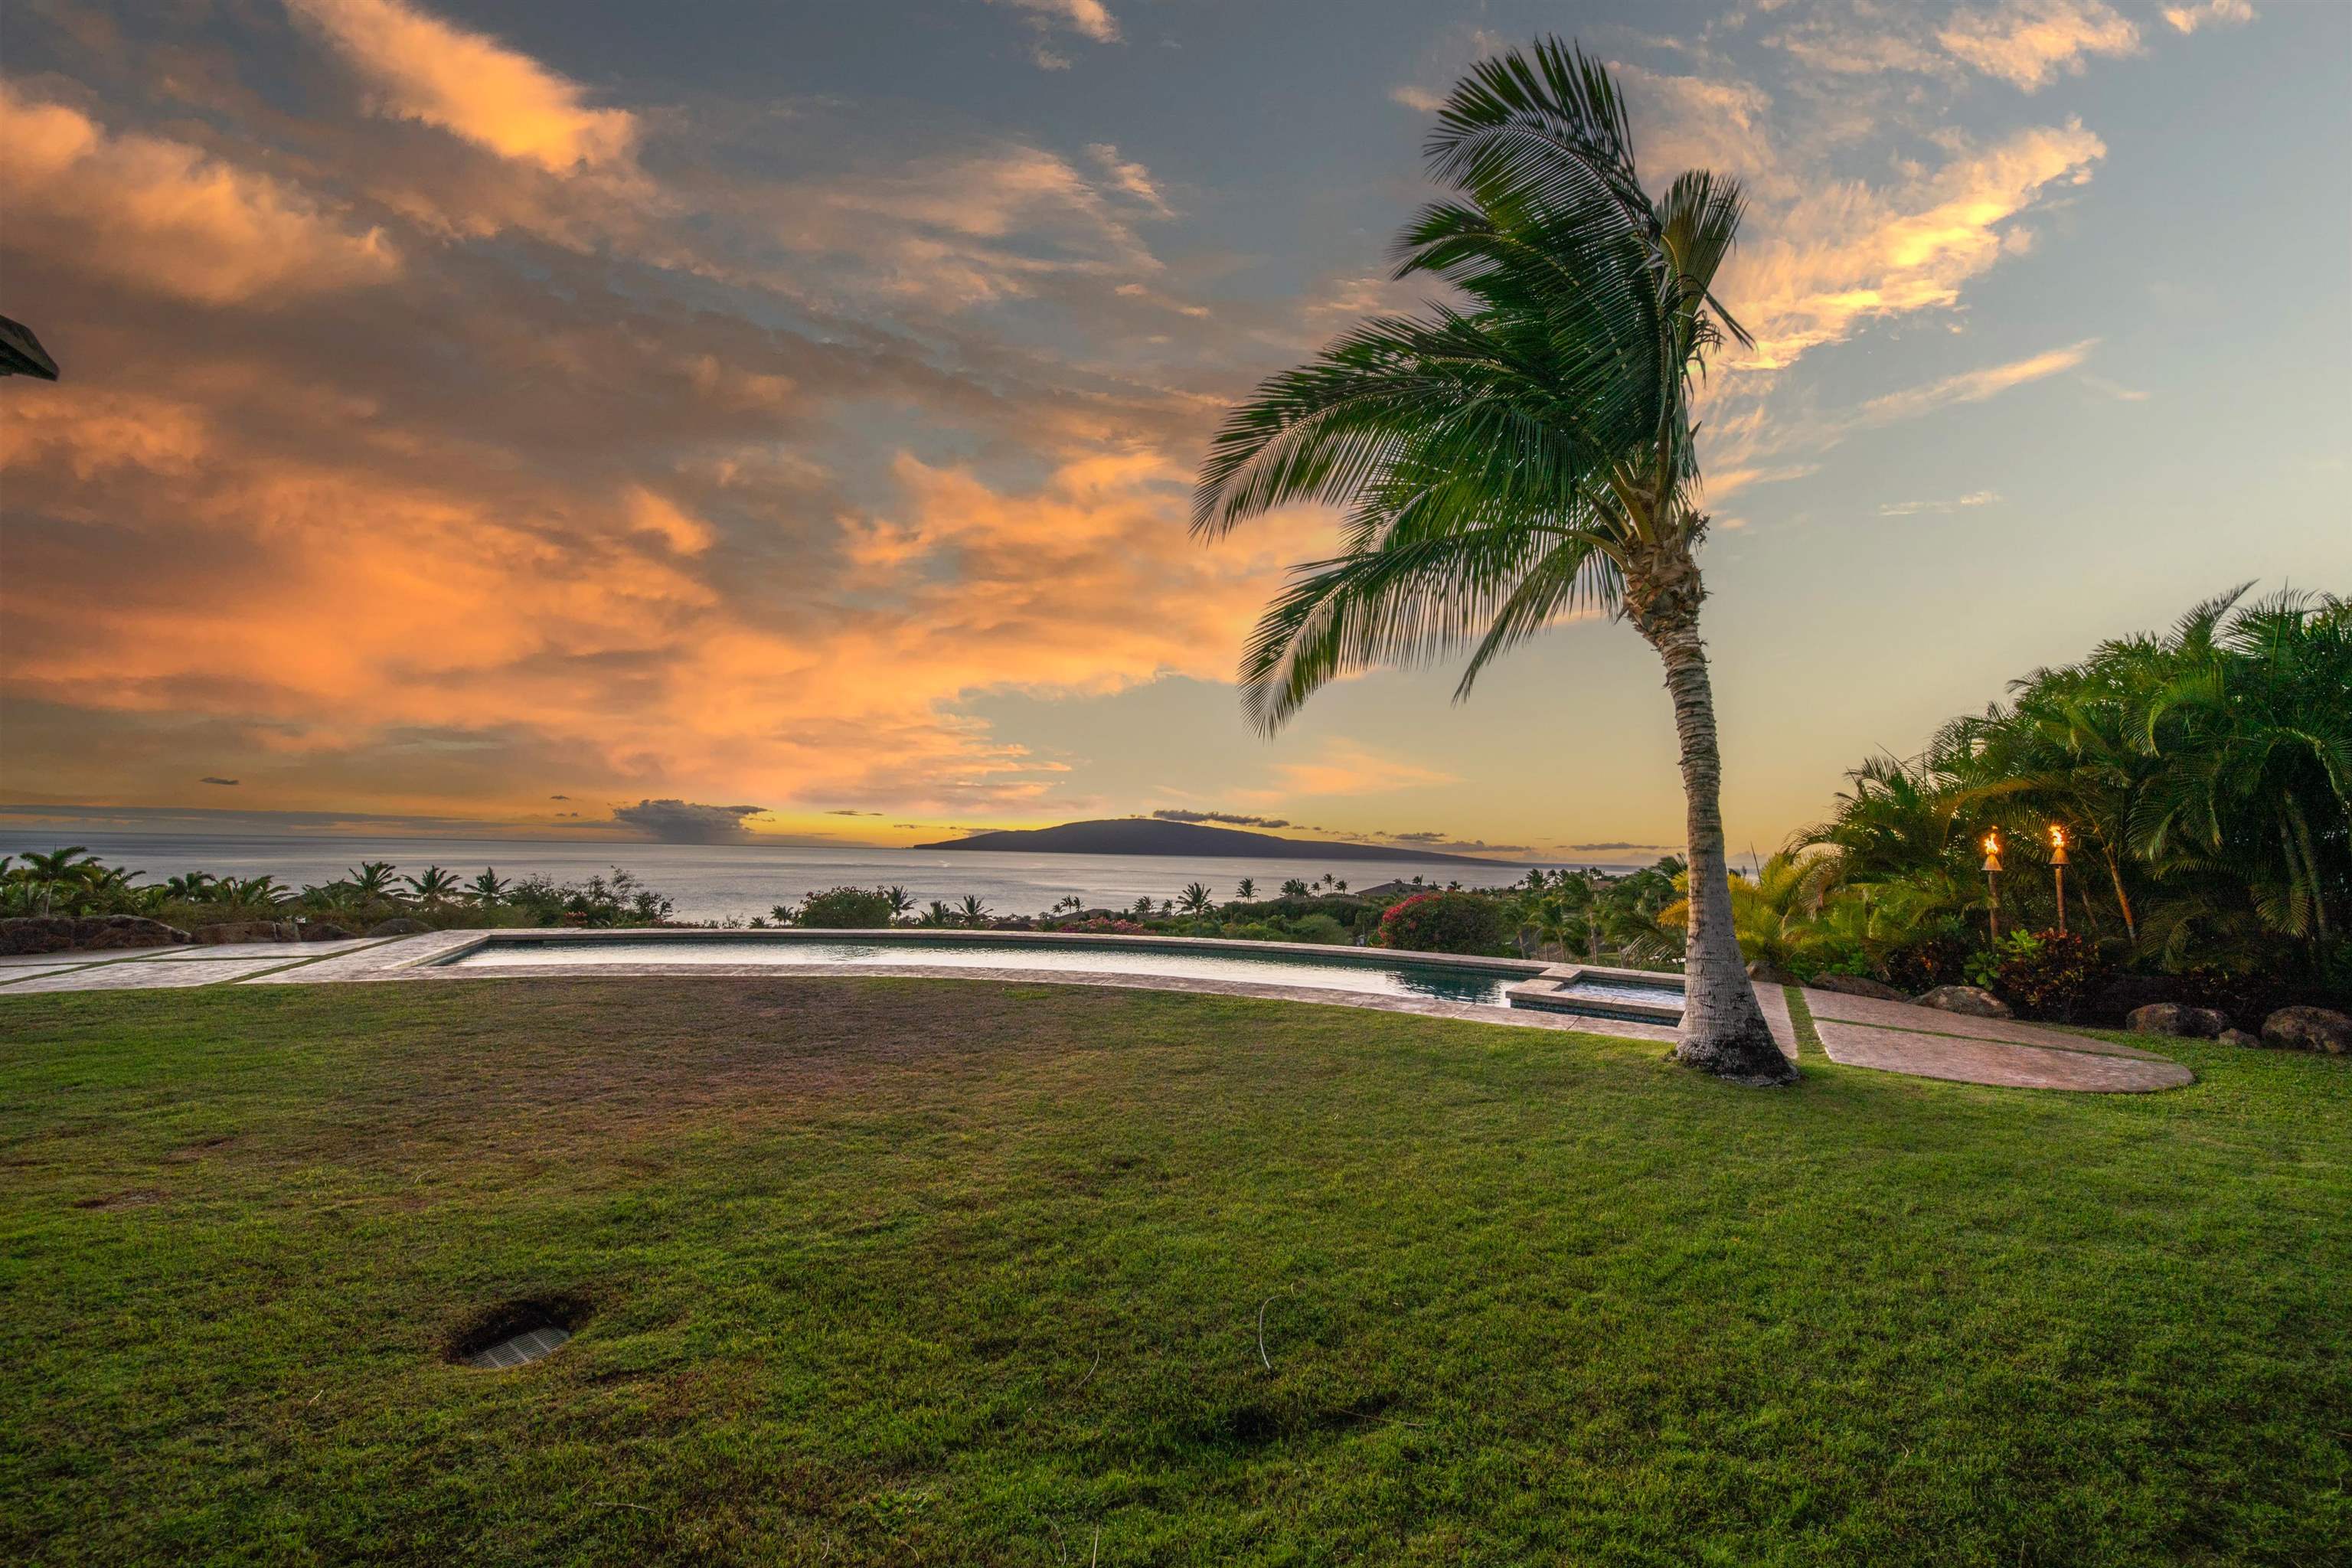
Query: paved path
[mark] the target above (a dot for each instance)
(1891, 1036)
(1896, 1036)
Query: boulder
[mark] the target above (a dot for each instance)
(246, 931)
(1764, 974)
(1972, 1000)
(2239, 1038)
(323, 930)
(2173, 1018)
(2123, 995)
(61, 933)
(1858, 986)
(399, 925)
(2309, 1029)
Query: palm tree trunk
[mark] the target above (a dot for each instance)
(1723, 1030)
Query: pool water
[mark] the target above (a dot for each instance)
(1625, 991)
(1439, 982)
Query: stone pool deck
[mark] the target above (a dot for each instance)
(1888, 1036)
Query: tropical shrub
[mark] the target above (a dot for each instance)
(1443, 922)
(1318, 928)
(844, 909)
(1925, 963)
(2045, 975)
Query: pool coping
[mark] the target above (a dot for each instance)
(443, 961)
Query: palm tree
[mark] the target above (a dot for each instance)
(1529, 456)
(972, 911)
(1294, 888)
(1194, 899)
(901, 902)
(66, 868)
(938, 914)
(372, 881)
(488, 888)
(1339, 885)
(1245, 888)
(192, 887)
(435, 887)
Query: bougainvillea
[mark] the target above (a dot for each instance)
(1443, 922)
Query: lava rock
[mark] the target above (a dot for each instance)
(1972, 1000)
(2238, 1037)
(1858, 986)
(246, 931)
(1764, 974)
(321, 931)
(2173, 1018)
(399, 925)
(2309, 1029)
(60, 933)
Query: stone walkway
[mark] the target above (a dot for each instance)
(1858, 1031)
(1896, 1036)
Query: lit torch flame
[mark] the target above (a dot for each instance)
(2057, 836)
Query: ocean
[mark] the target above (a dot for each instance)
(721, 881)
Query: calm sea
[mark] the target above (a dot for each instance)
(716, 881)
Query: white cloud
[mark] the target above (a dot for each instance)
(2188, 18)
(1917, 508)
(1088, 18)
(1970, 386)
(1419, 99)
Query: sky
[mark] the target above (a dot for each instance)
(776, 421)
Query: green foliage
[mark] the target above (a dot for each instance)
(2203, 779)
(2045, 975)
(845, 909)
(1319, 928)
(1443, 922)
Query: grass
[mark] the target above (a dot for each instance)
(949, 1272)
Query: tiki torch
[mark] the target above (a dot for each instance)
(2058, 869)
(1992, 883)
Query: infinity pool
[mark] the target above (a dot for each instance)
(1441, 982)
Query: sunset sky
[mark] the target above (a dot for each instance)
(503, 412)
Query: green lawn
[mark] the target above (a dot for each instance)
(948, 1272)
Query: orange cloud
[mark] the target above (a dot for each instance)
(423, 69)
(1847, 253)
(2029, 42)
(166, 217)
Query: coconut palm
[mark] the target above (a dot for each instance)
(972, 911)
(1194, 899)
(1530, 455)
(489, 888)
(1294, 888)
(192, 887)
(68, 868)
(1245, 888)
(373, 881)
(435, 887)
(901, 902)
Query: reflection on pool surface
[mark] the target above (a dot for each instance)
(1439, 982)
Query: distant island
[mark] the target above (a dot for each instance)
(1143, 835)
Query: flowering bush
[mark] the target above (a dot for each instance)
(1443, 922)
(1101, 927)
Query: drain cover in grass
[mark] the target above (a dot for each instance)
(519, 1349)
